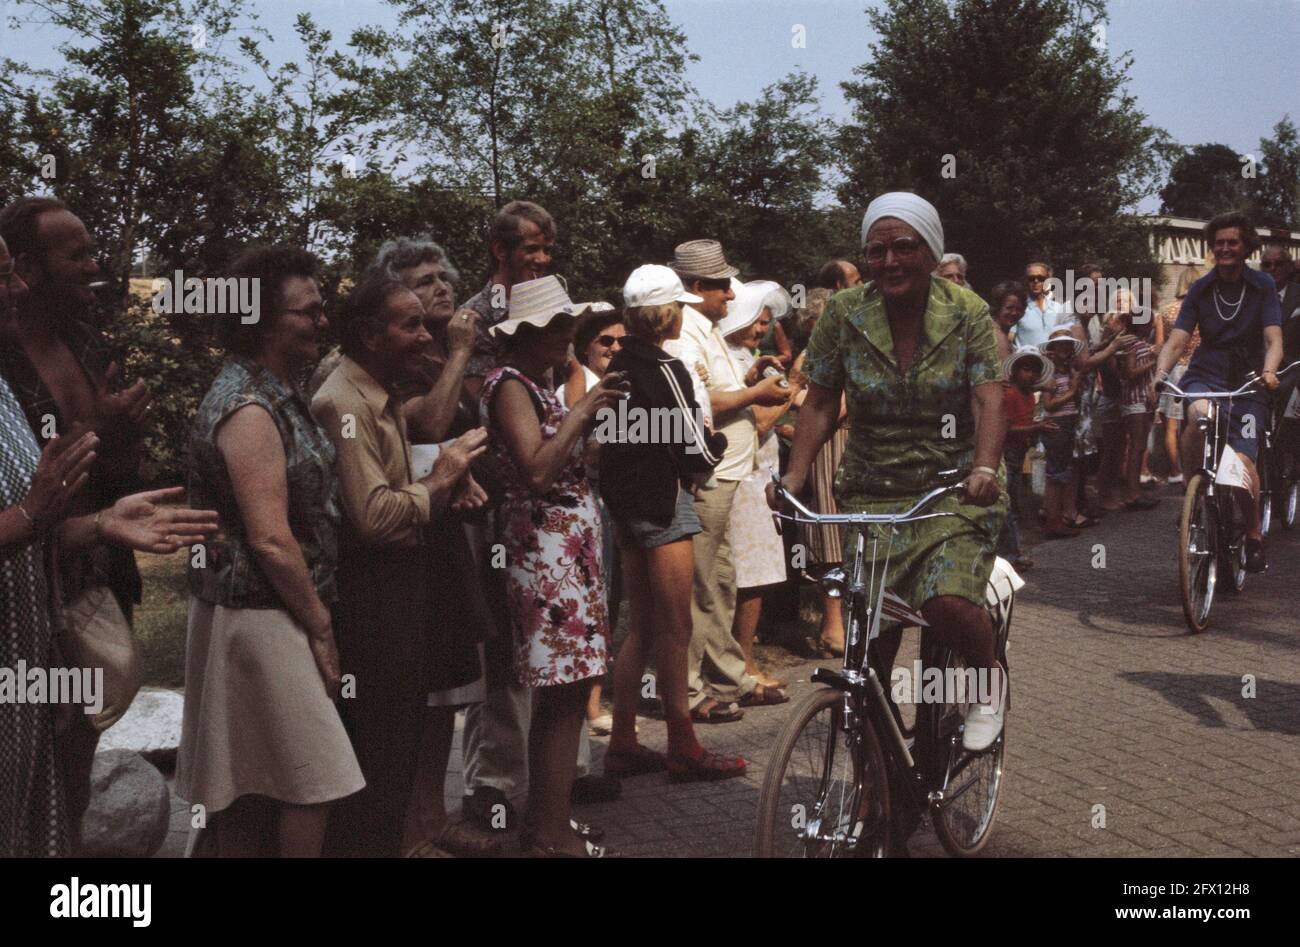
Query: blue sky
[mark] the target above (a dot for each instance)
(1204, 70)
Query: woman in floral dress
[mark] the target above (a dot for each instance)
(548, 523)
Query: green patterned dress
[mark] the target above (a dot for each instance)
(905, 427)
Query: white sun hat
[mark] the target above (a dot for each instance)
(1062, 334)
(536, 302)
(1042, 363)
(751, 298)
(655, 285)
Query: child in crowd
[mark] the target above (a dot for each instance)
(1022, 372)
(1136, 364)
(1059, 404)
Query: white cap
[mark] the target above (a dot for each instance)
(654, 285)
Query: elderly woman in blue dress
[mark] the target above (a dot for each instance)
(917, 358)
(1239, 318)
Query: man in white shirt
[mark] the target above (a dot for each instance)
(717, 684)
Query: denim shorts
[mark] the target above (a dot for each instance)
(646, 534)
(1058, 446)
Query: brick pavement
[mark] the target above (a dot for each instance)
(1115, 704)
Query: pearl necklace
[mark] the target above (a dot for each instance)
(1236, 308)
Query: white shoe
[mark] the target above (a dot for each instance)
(983, 724)
(601, 726)
(1177, 478)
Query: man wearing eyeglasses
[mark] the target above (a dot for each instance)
(1043, 314)
(61, 373)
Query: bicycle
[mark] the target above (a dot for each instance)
(1211, 535)
(848, 778)
(1283, 484)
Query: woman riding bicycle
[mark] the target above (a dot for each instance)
(917, 358)
(1236, 310)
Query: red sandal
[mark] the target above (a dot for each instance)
(707, 767)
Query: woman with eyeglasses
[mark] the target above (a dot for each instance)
(917, 358)
(263, 748)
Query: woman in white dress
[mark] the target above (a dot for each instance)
(757, 550)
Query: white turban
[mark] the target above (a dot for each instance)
(910, 209)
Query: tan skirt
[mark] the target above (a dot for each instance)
(257, 718)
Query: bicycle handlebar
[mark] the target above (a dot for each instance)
(804, 515)
(1166, 385)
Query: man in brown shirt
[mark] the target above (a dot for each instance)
(59, 369)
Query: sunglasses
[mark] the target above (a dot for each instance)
(903, 247)
(1036, 278)
(609, 340)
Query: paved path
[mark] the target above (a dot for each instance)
(1115, 705)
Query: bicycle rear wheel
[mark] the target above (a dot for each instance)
(1291, 499)
(1231, 543)
(826, 792)
(972, 782)
(1198, 560)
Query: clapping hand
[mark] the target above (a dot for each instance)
(119, 414)
(62, 472)
(462, 330)
(454, 459)
(471, 496)
(140, 522)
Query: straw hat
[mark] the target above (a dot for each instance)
(538, 301)
(1062, 334)
(751, 298)
(1044, 364)
(701, 259)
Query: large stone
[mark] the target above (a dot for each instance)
(150, 727)
(130, 806)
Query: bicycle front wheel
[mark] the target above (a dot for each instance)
(972, 782)
(826, 792)
(1198, 560)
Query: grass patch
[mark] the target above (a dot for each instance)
(160, 621)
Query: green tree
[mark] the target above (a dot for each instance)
(1277, 189)
(566, 103)
(1012, 117)
(1204, 181)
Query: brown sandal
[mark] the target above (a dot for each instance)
(707, 767)
(762, 696)
(714, 711)
(467, 842)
